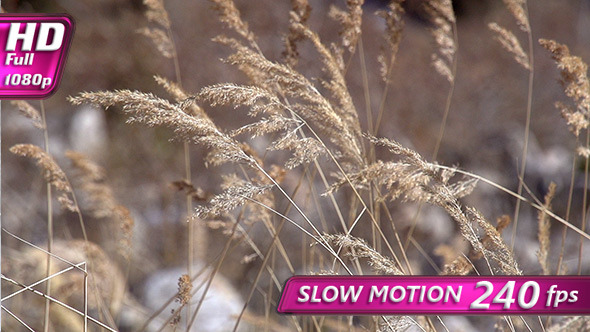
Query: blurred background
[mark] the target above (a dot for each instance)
(484, 133)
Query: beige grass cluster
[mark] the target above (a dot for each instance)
(52, 173)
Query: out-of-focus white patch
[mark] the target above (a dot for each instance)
(88, 133)
(458, 324)
(432, 220)
(219, 310)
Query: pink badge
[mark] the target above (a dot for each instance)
(436, 295)
(35, 48)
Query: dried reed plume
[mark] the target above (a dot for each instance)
(160, 39)
(299, 15)
(414, 179)
(454, 263)
(101, 203)
(575, 80)
(260, 100)
(304, 149)
(234, 196)
(181, 96)
(337, 117)
(343, 107)
(152, 111)
(185, 286)
(156, 12)
(394, 26)
(544, 230)
(230, 15)
(518, 9)
(360, 249)
(510, 43)
(350, 20)
(442, 17)
(29, 112)
(159, 34)
(51, 171)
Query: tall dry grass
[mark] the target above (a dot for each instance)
(308, 184)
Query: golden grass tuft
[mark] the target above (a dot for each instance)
(544, 230)
(101, 202)
(358, 248)
(442, 17)
(510, 43)
(29, 112)
(350, 20)
(574, 74)
(51, 171)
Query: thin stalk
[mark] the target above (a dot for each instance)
(424, 254)
(314, 197)
(541, 322)
(345, 175)
(269, 292)
(85, 297)
(265, 257)
(86, 242)
(348, 234)
(538, 206)
(441, 131)
(323, 240)
(39, 248)
(213, 273)
(567, 212)
(527, 127)
(320, 172)
(384, 94)
(397, 238)
(509, 323)
(17, 319)
(43, 280)
(327, 186)
(259, 274)
(443, 123)
(187, 169)
(584, 205)
(442, 323)
(271, 229)
(74, 310)
(366, 92)
(49, 226)
(189, 209)
(525, 323)
(171, 299)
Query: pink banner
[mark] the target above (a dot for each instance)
(34, 53)
(436, 295)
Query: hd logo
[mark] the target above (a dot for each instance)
(35, 48)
